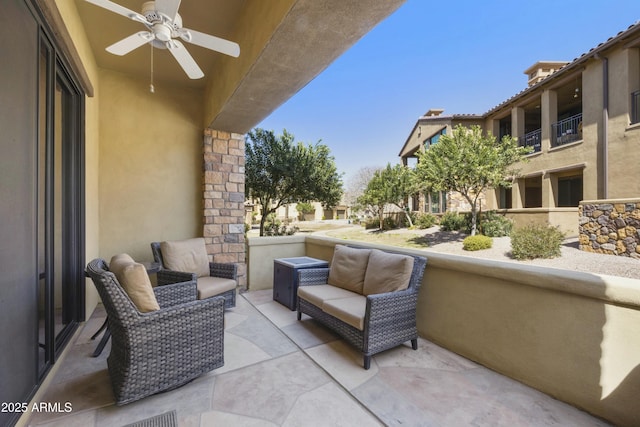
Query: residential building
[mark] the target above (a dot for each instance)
(582, 121)
(426, 132)
(289, 212)
(94, 163)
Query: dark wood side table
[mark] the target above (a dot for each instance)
(152, 268)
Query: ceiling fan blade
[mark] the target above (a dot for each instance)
(210, 42)
(168, 7)
(185, 59)
(130, 43)
(120, 10)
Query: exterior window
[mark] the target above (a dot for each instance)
(569, 191)
(504, 198)
(434, 139)
(635, 107)
(533, 192)
(505, 127)
(436, 202)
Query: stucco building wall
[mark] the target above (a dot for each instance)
(150, 165)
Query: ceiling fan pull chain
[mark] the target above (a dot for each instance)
(151, 88)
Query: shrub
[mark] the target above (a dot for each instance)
(452, 221)
(275, 227)
(536, 241)
(389, 223)
(425, 220)
(477, 243)
(371, 223)
(491, 223)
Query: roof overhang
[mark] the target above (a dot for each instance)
(283, 46)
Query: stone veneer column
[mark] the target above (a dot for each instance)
(223, 199)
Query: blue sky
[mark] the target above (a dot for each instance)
(462, 56)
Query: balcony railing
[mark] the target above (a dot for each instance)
(532, 139)
(566, 131)
(635, 107)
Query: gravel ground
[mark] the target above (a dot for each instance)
(571, 259)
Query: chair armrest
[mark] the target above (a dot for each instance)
(167, 277)
(313, 276)
(390, 304)
(227, 270)
(175, 294)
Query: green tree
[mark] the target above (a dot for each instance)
(391, 185)
(280, 171)
(469, 162)
(401, 182)
(374, 196)
(304, 208)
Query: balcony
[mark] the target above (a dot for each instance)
(482, 323)
(532, 139)
(635, 107)
(566, 131)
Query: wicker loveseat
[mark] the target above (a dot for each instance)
(161, 348)
(368, 296)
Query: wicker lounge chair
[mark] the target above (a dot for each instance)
(162, 349)
(217, 271)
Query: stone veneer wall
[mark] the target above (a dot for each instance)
(610, 227)
(223, 197)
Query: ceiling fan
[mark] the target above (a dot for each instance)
(164, 23)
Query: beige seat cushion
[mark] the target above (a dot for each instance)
(348, 267)
(318, 294)
(134, 279)
(387, 272)
(350, 310)
(186, 255)
(211, 286)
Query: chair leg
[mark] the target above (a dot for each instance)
(299, 315)
(367, 362)
(102, 343)
(104, 325)
(414, 343)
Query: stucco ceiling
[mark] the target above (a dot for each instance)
(284, 44)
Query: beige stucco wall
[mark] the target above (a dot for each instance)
(624, 153)
(150, 163)
(569, 334)
(262, 251)
(566, 219)
(622, 139)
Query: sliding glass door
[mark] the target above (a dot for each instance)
(60, 201)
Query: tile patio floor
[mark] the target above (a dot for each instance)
(281, 372)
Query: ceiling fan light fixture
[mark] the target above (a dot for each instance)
(162, 32)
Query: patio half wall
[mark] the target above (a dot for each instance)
(571, 335)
